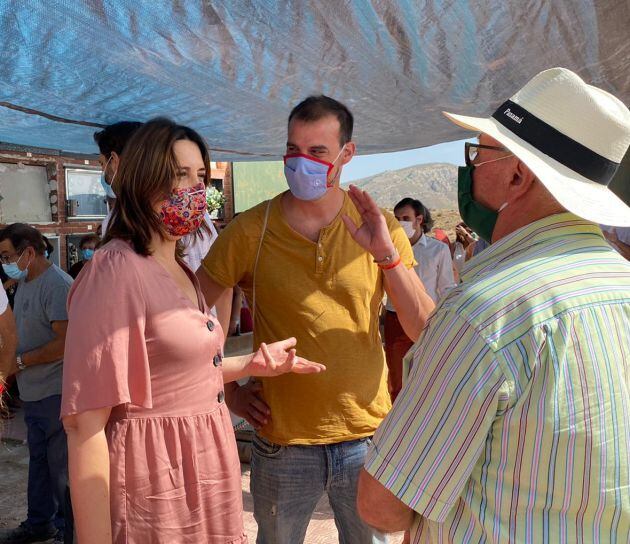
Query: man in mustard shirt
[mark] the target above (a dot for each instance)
(314, 263)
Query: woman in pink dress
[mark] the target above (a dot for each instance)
(152, 454)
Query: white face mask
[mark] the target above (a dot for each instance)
(408, 227)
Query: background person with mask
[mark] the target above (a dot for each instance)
(306, 266)
(111, 142)
(87, 246)
(434, 267)
(41, 321)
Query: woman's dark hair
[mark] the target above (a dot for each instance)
(420, 209)
(315, 108)
(22, 236)
(147, 172)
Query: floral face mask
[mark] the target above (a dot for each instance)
(182, 212)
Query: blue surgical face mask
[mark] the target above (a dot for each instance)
(13, 270)
(307, 176)
(87, 254)
(109, 192)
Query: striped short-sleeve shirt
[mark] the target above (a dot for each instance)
(514, 425)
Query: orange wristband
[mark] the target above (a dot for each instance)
(390, 266)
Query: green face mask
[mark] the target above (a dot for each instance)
(479, 218)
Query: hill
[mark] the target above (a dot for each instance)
(434, 184)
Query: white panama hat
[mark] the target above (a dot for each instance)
(571, 135)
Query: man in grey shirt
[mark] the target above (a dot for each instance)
(41, 320)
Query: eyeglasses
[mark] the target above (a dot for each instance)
(472, 150)
(7, 258)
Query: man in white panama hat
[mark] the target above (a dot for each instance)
(513, 425)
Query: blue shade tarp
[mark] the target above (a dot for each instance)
(234, 69)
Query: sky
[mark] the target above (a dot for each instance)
(368, 165)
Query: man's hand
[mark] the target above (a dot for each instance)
(246, 402)
(8, 284)
(280, 358)
(380, 508)
(464, 235)
(373, 234)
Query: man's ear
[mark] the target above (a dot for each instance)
(30, 254)
(348, 152)
(522, 181)
(115, 161)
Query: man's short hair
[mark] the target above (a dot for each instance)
(22, 236)
(420, 209)
(315, 108)
(87, 239)
(114, 137)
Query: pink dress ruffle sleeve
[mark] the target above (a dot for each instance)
(137, 344)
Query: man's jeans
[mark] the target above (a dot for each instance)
(48, 491)
(288, 481)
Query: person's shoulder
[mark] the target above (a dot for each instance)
(56, 276)
(117, 256)
(117, 248)
(250, 222)
(390, 219)
(437, 245)
(255, 214)
(389, 216)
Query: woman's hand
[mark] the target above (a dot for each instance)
(280, 358)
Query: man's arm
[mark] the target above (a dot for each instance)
(50, 352)
(8, 344)
(380, 508)
(403, 286)
(235, 314)
(410, 299)
(427, 446)
(218, 296)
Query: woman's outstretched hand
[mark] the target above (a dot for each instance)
(280, 358)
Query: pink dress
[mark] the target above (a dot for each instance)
(135, 342)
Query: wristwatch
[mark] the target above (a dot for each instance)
(21, 366)
(388, 259)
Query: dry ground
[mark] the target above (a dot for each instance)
(14, 471)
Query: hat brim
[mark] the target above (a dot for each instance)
(579, 195)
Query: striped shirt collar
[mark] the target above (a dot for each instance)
(539, 232)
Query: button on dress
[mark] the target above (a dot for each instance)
(136, 343)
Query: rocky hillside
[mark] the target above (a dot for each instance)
(434, 184)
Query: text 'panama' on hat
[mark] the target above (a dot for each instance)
(571, 135)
